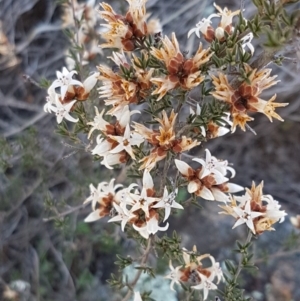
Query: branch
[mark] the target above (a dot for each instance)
(67, 212)
(138, 274)
(278, 254)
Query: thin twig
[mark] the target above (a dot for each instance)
(29, 79)
(138, 274)
(278, 254)
(29, 123)
(67, 212)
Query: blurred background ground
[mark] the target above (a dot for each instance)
(64, 259)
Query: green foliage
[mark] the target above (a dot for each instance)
(275, 22)
(170, 246)
(116, 282)
(232, 291)
(255, 25)
(63, 130)
(147, 270)
(123, 262)
(81, 126)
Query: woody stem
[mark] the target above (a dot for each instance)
(140, 271)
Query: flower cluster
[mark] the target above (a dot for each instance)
(182, 72)
(141, 209)
(245, 98)
(129, 85)
(70, 91)
(116, 141)
(209, 181)
(163, 140)
(259, 212)
(127, 32)
(194, 273)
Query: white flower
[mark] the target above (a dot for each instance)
(142, 201)
(111, 159)
(104, 195)
(212, 171)
(102, 147)
(206, 285)
(123, 216)
(51, 101)
(126, 142)
(151, 227)
(213, 165)
(194, 185)
(110, 188)
(99, 123)
(168, 202)
(247, 42)
(62, 111)
(174, 275)
(123, 115)
(202, 26)
(226, 16)
(95, 194)
(215, 270)
(246, 216)
(64, 81)
(273, 209)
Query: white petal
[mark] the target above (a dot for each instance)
(182, 167)
(205, 193)
(70, 118)
(147, 180)
(222, 131)
(137, 297)
(142, 230)
(93, 216)
(233, 188)
(117, 149)
(90, 82)
(219, 195)
(167, 213)
(192, 187)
